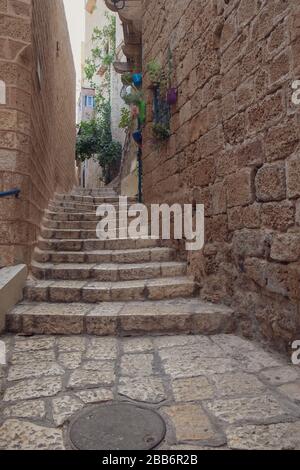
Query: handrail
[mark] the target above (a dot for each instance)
(12, 192)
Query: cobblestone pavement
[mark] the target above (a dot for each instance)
(218, 392)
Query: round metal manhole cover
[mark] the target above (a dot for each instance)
(119, 426)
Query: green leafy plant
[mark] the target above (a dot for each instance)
(126, 120)
(161, 131)
(126, 78)
(154, 70)
(95, 140)
(134, 98)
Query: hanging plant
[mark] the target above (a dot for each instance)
(161, 131)
(126, 78)
(138, 137)
(172, 96)
(135, 97)
(142, 111)
(154, 70)
(137, 79)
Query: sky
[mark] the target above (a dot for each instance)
(75, 16)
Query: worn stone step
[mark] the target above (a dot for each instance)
(113, 272)
(75, 224)
(73, 234)
(96, 200)
(93, 292)
(180, 316)
(142, 255)
(74, 216)
(95, 244)
(82, 206)
(94, 192)
(75, 210)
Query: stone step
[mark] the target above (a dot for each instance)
(70, 208)
(180, 316)
(84, 206)
(93, 292)
(72, 198)
(142, 255)
(74, 224)
(95, 244)
(74, 216)
(107, 271)
(93, 192)
(59, 234)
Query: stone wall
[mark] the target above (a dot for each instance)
(37, 123)
(234, 147)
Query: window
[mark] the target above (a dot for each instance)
(89, 101)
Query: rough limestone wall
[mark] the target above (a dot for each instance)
(235, 148)
(37, 130)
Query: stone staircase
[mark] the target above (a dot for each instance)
(81, 284)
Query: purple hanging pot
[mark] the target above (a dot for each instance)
(172, 96)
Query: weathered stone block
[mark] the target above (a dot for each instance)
(270, 183)
(286, 247)
(240, 190)
(293, 176)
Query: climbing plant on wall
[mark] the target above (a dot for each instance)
(95, 136)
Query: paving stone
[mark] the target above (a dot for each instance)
(237, 384)
(133, 365)
(191, 389)
(64, 407)
(255, 361)
(34, 388)
(162, 342)
(70, 360)
(101, 348)
(251, 409)
(280, 375)
(33, 344)
(135, 345)
(96, 395)
(291, 390)
(22, 435)
(34, 369)
(99, 365)
(232, 344)
(81, 378)
(282, 436)
(27, 409)
(32, 357)
(183, 363)
(191, 423)
(71, 343)
(144, 389)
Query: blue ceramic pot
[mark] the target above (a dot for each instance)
(137, 79)
(137, 137)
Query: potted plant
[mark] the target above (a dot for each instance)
(135, 97)
(161, 131)
(172, 95)
(154, 70)
(138, 137)
(126, 78)
(137, 79)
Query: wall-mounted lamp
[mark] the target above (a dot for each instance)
(119, 4)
